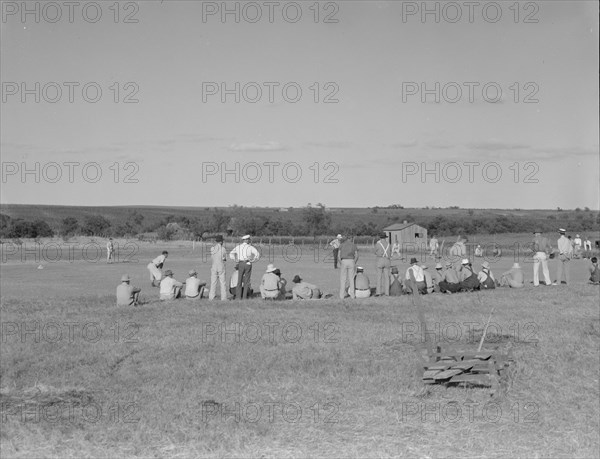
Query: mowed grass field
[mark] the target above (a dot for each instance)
(80, 377)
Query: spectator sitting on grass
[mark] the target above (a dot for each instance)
(127, 295)
(428, 278)
(513, 278)
(170, 289)
(270, 285)
(304, 291)
(450, 284)
(395, 284)
(194, 289)
(468, 279)
(362, 287)
(283, 285)
(418, 275)
(594, 271)
(486, 278)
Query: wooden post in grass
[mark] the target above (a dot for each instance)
(485, 330)
(417, 301)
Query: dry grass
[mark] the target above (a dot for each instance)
(164, 384)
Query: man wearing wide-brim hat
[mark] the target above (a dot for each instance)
(194, 288)
(127, 295)
(541, 251)
(565, 254)
(468, 279)
(270, 286)
(395, 284)
(451, 283)
(486, 277)
(513, 278)
(170, 289)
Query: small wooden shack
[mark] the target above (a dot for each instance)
(406, 233)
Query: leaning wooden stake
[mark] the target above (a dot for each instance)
(485, 330)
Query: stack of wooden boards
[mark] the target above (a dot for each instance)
(452, 365)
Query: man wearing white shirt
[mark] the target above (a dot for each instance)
(155, 267)
(419, 276)
(587, 247)
(565, 253)
(194, 288)
(244, 254)
(433, 246)
(541, 250)
(578, 243)
(270, 284)
(110, 250)
(170, 289)
(336, 248)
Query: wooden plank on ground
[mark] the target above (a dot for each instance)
(440, 366)
(465, 366)
(447, 374)
(429, 374)
(484, 380)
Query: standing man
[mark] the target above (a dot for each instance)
(383, 253)
(587, 247)
(433, 246)
(541, 250)
(348, 256)
(336, 249)
(110, 249)
(459, 251)
(244, 255)
(578, 243)
(396, 247)
(565, 253)
(155, 267)
(218, 255)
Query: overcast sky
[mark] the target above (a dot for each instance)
(533, 146)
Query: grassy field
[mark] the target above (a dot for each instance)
(82, 378)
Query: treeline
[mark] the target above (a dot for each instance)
(309, 221)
